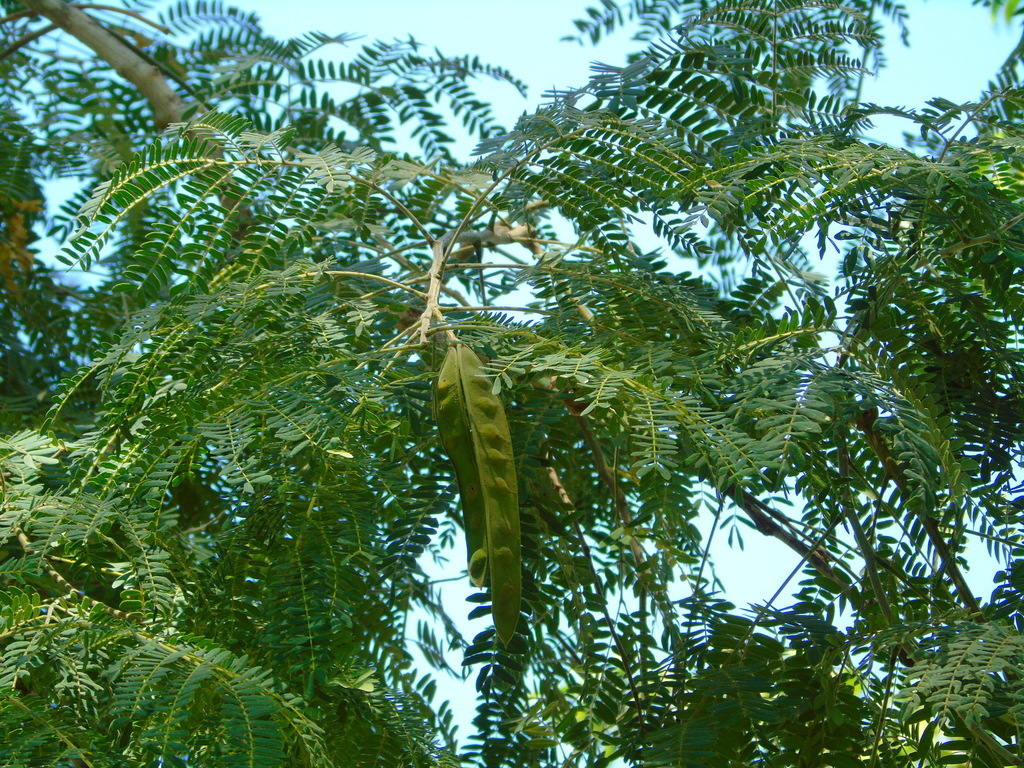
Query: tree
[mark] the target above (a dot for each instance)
(222, 472)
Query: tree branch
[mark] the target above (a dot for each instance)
(761, 515)
(440, 248)
(168, 106)
(893, 471)
(470, 242)
(63, 583)
(26, 39)
(17, 15)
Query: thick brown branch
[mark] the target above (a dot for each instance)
(168, 106)
(761, 515)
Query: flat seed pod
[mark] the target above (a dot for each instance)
(453, 425)
(492, 443)
(475, 435)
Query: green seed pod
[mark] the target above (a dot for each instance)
(492, 444)
(506, 589)
(478, 567)
(452, 421)
(475, 434)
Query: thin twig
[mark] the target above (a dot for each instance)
(443, 251)
(627, 667)
(496, 308)
(126, 12)
(989, 238)
(49, 727)
(1002, 753)
(369, 276)
(26, 39)
(881, 710)
(26, 546)
(89, 6)
(17, 15)
(203, 526)
(399, 206)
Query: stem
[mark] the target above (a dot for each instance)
(26, 546)
(627, 668)
(168, 106)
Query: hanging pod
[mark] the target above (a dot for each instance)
(475, 435)
(453, 425)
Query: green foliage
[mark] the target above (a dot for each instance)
(230, 529)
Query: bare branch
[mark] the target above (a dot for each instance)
(168, 106)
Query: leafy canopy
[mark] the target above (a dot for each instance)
(228, 521)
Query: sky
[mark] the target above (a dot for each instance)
(954, 46)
